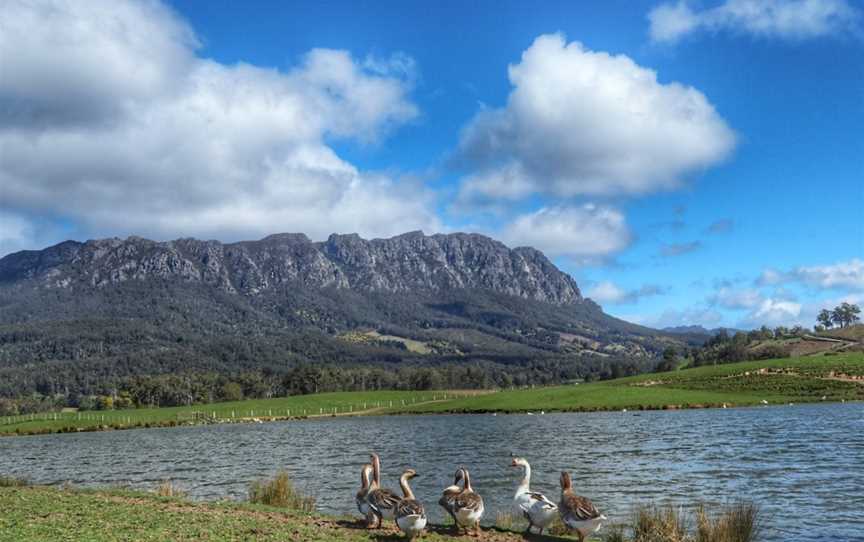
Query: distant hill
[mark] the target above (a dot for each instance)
(699, 333)
(76, 317)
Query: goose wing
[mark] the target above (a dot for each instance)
(539, 498)
(448, 500)
(410, 507)
(577, 508)
(468, 500)
(383, 499)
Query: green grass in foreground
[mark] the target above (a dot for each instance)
(39, 513)
(780, 381)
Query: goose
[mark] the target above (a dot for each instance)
(537, 509)
(468, 506)
(366, 485)
(578, 513)
(382, 502)
(448, 497)
(410, 515)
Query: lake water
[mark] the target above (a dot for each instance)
(803, 464)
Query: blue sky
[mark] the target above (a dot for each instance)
(687, 162)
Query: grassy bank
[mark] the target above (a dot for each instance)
(39, 513)
(792, 380)
(43, 513)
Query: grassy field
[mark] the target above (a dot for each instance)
(781, 381)
(322, 404)
(793, 380)
(39, 513)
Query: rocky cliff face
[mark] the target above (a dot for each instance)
(408, 262)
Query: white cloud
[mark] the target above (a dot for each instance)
(608, 292)
(576, 231)
(841, 275)
(848, 274)
(109, 119)
(788, 19)
(16, 233)
(584, 122)
(774, 312)
(731, 298)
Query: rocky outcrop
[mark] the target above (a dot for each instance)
(405, 263)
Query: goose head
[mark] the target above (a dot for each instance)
(518, 462)
(566, 482)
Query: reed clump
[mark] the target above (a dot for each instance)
(738, 522)
(12, 481)
(280, 491)
(166, 488)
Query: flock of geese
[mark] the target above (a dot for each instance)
(465, 505)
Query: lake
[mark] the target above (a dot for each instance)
(803, 464)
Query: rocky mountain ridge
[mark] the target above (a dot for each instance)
(408, 262)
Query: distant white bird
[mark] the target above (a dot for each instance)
(534, 506)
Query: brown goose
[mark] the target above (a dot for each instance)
(382, 502)
(578, 513)
(410, 515)
(468, 507)
(448, 497)
(365, 487)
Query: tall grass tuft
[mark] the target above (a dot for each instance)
(11, 481)
(280, 491)
(659, 524)
(167, 489)
(738, 523)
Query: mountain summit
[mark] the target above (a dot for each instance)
(410, 262)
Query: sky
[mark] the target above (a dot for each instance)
(687, 162)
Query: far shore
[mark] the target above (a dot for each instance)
(819, 379)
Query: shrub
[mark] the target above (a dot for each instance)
(280, 491)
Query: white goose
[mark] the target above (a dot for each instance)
(534, 506)
(410, 515)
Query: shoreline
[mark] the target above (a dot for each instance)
(173, 424)
(819, 379)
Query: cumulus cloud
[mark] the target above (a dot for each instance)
(576, 231)
(110, 118)
(582, 122)
(731, 298)
(774, 312)
(788, 19)
(847, 275)
(608, 292)
(679, 249)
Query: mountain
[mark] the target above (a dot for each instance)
(83, 317)
(699, 334)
